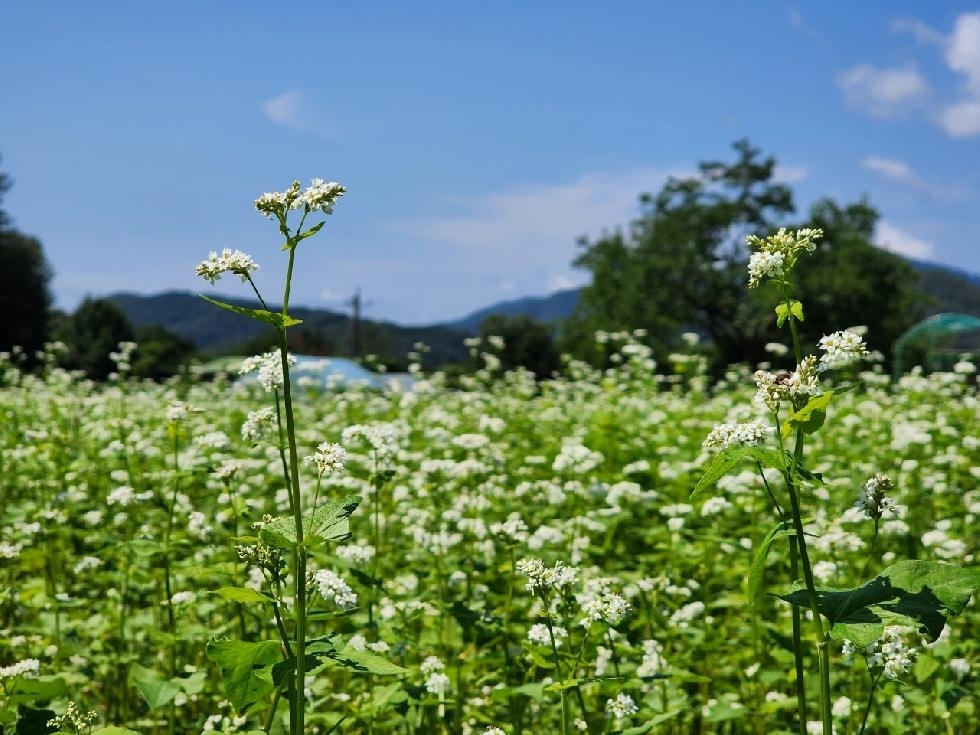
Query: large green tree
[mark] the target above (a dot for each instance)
(527, 343)
(25, 299)
(682, 266)
(93, 331)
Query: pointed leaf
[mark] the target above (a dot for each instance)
(243, 594)
(723, 463)
(311, 232)
(156, 689)
(810, 417)
(758, 567)
(241, 665)
(918, 593)
(276, 319)
(329, 522)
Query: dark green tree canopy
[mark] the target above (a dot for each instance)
(93, 331)
(527, 343)
(25, 299)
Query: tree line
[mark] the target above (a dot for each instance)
(679, 267)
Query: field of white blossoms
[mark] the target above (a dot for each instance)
(513, 541)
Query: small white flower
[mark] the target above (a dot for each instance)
(621, 707)
(328, 457)
(236, 262)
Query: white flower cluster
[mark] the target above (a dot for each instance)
(538, 633)
(802, 382)
(776, 255)
(382, 438)
(319, 195)
(545, 579)
(258, 422)
(888, 653)
(236, 262)
(436, 682)
(333, 588)
(621, 707)
(328, 457)
(74, 720)
(27, 668)
(609, 607)
(873, 501)
(493, 730)
(841, 348)
(730, 434)
(268, 367)
(653, 661)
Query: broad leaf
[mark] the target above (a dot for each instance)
(326, 523)
(782, 312)
(156, 688)
(723, 463)
(275, 318)
(243, 594)
(918, 593)
(242, 665)
(810, 417)
(758, 568)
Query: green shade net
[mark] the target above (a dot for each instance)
(935, 341)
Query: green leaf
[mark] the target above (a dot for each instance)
(156, 689)
(276, 319)
(918, 593)
(782, 312)
(114, 730)
(25, 690)
(723, 463)
(310, 232)
(366, 662)
(810, 417)
(241, 665)
(327, 523)
(243, 594)
(758, 567)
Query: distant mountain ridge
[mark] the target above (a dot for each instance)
(214, 330)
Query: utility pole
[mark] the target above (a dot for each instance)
(355, 324)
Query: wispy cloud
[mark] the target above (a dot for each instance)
(891, 169)
(918, 29)
(890, 237)
(892, 92)
(529, 229)
(884, 93)
(293, 110)
(790, 174)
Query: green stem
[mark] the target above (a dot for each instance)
(867, 708)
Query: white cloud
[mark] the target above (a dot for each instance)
(527, 235)
(292, 110)
(922, 32)
(961, 120)
(884, 92)
(963, 50)
(790, 174)
(891, 169)
(890, 237)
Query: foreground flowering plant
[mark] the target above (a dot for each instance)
(281, 669)
(919, 594)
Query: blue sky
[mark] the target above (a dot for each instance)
(478, 141)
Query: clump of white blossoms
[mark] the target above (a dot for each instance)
(542, 579)
(268, 367)
(776, 255)
(320, 196)
(609, 607)
(539, 634)
(328, 457)
(28, 668)
(888, 655)
(436, 682)
(730, 434)
(874, 502)
(333, 588)
(841, 348)
(621, 707)
(235, 262)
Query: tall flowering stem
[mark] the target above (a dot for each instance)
(320, 196)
